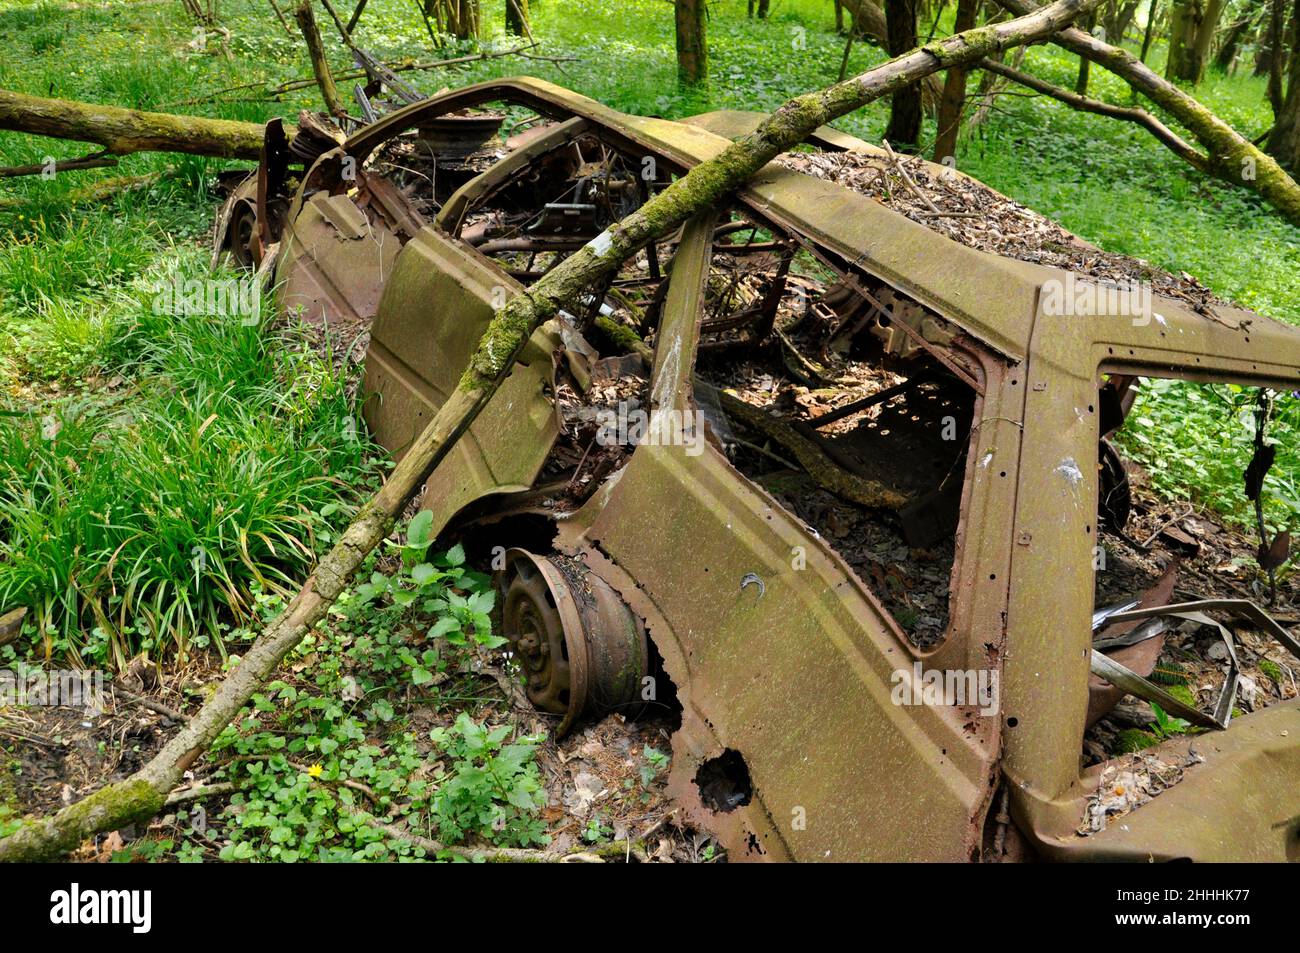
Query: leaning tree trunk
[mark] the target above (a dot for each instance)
(320, 66)
(904, 129)
(517, 18)
(1230, 156)
(123, 131)
(144, 793)
(692, 45)
(1284, 141)
(1081, 80)
(953, 102)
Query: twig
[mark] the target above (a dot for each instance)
(598, 854)
(149, 703)
(96, 160)
(202, 791)
(907, 179)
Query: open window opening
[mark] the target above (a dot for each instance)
(1178, 469)
(838, 406)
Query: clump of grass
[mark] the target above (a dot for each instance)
(146, 521)
(70, 253)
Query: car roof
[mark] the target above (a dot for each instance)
(992, 298)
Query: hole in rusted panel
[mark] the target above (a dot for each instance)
(724, 782)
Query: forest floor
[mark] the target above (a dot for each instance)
(365, 721)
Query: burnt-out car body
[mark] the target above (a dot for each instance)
(766, 564)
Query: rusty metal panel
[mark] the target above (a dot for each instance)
(1237, 802)
(783, 661)
(436, 303)
(795, 673)
(335, 264)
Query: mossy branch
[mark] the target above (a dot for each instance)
(123, 131)
(1231, 156)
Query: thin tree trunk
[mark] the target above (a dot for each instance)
(144, 793)
(904, 129)
(123, 131)
(1230, 156)
(1153, 14)
(1284, 140)
(763, 9)
(356, 14)
(319, 63)
(1276, 55)
(868, 19)
(279, 15)
(1081, 81)
(692, 44)
(953, 101)
(517, 18)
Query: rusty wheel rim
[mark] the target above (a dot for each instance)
(243, 236)
(539, 617)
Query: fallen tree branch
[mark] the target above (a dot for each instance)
(1174, 142)
(146, 702)
(824, 471)
(1231, 157)
(144, 793)
(94, 161)
(123, 131)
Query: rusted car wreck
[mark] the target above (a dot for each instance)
(919, 491)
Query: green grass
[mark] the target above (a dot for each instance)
(145, 516)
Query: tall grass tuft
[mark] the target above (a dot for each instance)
(146, 522)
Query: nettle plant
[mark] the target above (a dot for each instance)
(461, 599)
(318, 752)
(493, 790)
